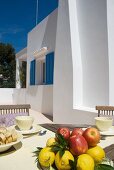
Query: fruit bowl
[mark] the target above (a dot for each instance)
(75, 151)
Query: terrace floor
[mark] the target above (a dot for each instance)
(40, 118)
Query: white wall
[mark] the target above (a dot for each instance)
(81, 70)
(63, 111)
(92, 23)
(43, 35)
(63, 74)
(19, 96)
(6, 96)
(110, 16)
(39, 97)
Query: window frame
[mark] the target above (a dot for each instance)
(40, 80)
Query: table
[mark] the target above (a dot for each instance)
(20, 157)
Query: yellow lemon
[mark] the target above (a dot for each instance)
(97, 153)
(50, 141)
(85, 162)
(62, 163)
(46, 157)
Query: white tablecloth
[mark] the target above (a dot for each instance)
(22, 158)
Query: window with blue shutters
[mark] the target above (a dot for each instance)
(32, 72)
(44, 68)
(49, 68)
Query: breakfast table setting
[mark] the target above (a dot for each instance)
(21, 154)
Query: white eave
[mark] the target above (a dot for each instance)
(22, 55)
(41, 52)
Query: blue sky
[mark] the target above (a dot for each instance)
(17, 18)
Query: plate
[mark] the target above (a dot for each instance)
(110, 132)
(5, 147)
(34, 129)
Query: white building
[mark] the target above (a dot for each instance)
(79, 34)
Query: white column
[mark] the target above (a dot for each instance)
(76, 56)
(18, 63)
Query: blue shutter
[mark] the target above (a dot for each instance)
(32, 72)
(49, 68)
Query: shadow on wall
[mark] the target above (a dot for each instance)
(47, 100)
(40, 98)
(51, 24)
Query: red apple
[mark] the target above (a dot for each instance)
(92, 136)
(65, 132)
(78, 145)
(77, 131)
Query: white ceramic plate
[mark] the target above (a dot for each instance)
(34, 129)
(5, 147)
(110, 132)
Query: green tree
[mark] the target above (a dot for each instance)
(7, 66)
